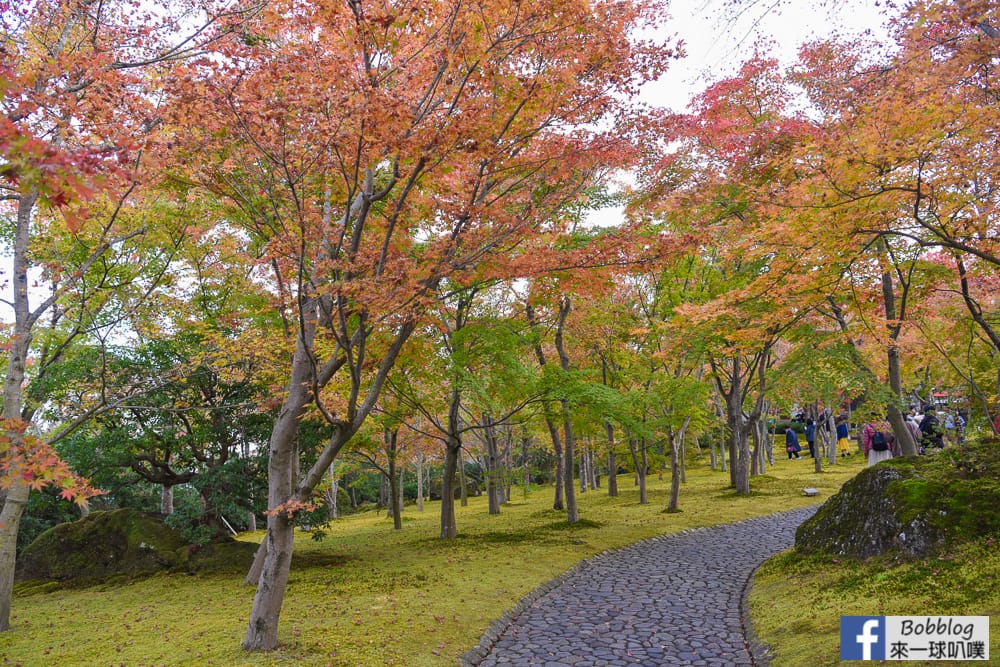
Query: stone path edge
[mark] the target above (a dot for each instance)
(759, 652)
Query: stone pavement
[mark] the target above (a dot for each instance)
(673, 600)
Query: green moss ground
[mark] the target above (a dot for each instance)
(368, 595)
(796, 601)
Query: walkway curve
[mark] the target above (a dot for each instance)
(676, 599)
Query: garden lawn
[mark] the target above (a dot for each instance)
(370, 595)
(796, 602)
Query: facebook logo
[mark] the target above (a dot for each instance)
(862, 637)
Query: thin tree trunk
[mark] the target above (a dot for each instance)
(463, 488)
(681, 447)
(675, 471)
(331, 497)
(643, 471)
(257, 566)
(737, 424)
(420, 481)
(562, 468)
(402, 489)
(560, 458)
(899, 428)
(449, 528)
(572, 513)
(492, 466)
(262, 630)
(526, 461)
(166, 500)
(453, 448)
(395, 500)
(739, 447)
(683, 453)
(832, 449)
(10, 519)
(612, 463)
(507, 459)
(20, 342)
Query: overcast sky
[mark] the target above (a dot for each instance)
(716, 41)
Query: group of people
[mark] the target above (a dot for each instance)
(793, 448)
(878, 442)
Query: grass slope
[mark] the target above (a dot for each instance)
(796, 600)
(369, 595)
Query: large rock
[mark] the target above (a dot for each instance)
(121, 543)
(914, 507)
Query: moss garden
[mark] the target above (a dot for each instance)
(371, 595)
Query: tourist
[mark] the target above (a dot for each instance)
(792, 443)
(931, 434)
(843, 436)
(914, 428)
(877, 441)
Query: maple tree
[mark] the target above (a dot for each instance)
(77, 134)
(889, 181)
(719, 178)
(376, 150)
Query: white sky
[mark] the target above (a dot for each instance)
(716, 41)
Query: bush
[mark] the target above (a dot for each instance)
(780, 427)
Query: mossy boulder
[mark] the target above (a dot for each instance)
(121, 543)
(914, 506)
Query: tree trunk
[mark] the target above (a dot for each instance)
(683, 453)
(756, 452)
(637, 448)
(572, 513)
(395, 500)
(561, 467)
(166, 500)
(675, 471)
(463, 483)
(453, 449)
(557, 502)
(899, 428)
(333, 512)
(643, 472)
(262, 630)
(449, 529)
(526, 461)
(507, 465)
(832, 449)
(19, 342)
(383, 493)
(420, 481)
(612, 463)
(493, 489)
(739, 431)
(10, 519)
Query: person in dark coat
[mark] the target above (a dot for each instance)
(792, 443)
(931, 433)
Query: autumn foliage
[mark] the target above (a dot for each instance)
(375, 213)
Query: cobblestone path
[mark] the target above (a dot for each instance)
(672, 600)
